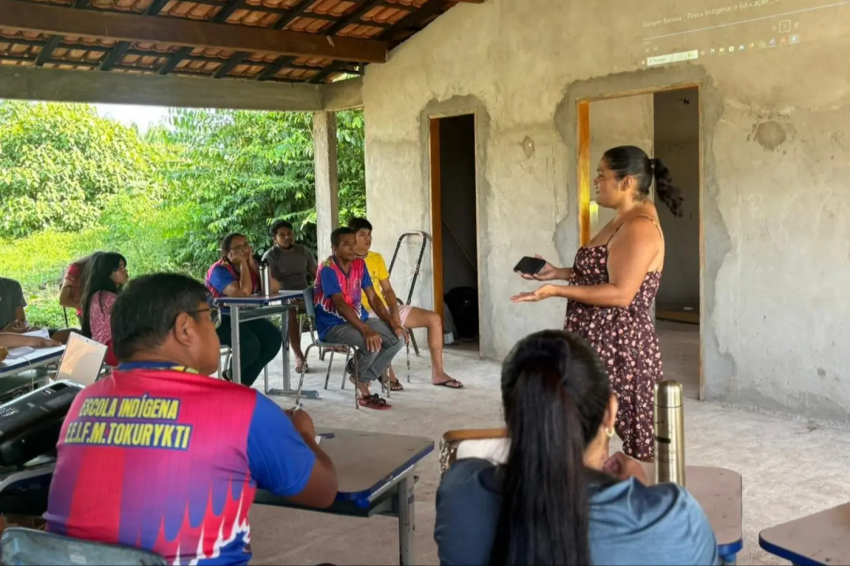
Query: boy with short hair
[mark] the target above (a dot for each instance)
(290, 264)
(341, 284)
(405, 315)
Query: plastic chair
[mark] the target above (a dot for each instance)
(28, 547)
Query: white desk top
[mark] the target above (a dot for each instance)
(38, 357)
(821, 538)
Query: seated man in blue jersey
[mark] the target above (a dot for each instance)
(162, 457)
(341, 282)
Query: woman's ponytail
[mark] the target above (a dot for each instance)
(664, 188)
(544, 519)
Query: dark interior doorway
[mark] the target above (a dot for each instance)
(455, 228)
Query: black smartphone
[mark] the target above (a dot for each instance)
(530, 265)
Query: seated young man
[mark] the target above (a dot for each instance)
(405, 315)
(290, 264)
(13, 318)
(162, 457)
(341, 318)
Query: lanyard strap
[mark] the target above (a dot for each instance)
(127, 366)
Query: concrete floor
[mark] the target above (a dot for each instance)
(790, 468)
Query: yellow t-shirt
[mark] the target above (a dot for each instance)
(378, 272)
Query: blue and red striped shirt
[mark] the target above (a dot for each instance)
(332, 280)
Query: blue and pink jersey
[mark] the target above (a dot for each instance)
(332, 280)
(170, 461)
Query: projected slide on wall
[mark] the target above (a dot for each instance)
(726, 28)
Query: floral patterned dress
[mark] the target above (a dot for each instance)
(627, 344)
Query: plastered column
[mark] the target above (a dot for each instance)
(327, 183)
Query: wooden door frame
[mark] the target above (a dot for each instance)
(436, 215)
(583, 184)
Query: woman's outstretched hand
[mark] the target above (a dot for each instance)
(547, 273)
(541, 293)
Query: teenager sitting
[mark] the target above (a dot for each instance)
(13, 317)
(160, 456)
(340, 317)
(71, 293)
(106, 275)
(236, 275)
(290, 264)
(406, 316)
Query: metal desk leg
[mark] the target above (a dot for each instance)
(235, 353)
(406, 519)
(284, 355)
(287, 390)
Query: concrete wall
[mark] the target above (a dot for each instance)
(776, 149)
(457, 157)
(677, 146)
(616, 122)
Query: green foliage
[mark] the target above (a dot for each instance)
(240, 171)
(72, 183)
(60, 164)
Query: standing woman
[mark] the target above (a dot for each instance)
(236, 275)
(612, 284)
(105, 276)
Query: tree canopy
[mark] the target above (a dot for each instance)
(60, 165)
(163, 199)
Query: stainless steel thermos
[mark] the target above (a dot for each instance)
(669, 433)
(265, 278)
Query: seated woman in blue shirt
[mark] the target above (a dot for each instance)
(559, 499)
(236, 275)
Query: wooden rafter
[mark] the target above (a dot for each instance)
(125, 27)
(47, 50)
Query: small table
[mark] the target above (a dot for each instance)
(822, 538)
(718, 491)
(38, 358)
(243, 309)
(375, 473)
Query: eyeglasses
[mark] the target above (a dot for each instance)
(215, 315)
(241, 247)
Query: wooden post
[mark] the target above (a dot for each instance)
(327, 183)
(584, 171)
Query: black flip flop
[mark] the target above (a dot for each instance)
(447, 386)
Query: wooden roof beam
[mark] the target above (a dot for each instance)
(44, 18)
(30, 83)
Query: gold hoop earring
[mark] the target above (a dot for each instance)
(609, 432)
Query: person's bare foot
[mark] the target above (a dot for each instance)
(445, 380)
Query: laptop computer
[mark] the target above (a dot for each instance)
(82, 360)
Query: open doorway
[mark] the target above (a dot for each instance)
(454, 219)
(666, 124)
(677, 312)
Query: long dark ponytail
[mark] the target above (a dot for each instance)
(630, 160)
(98, 278)
(555, 393)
